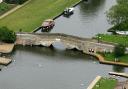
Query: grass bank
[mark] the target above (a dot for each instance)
(111, 57)
(119, 39)
(106, 83)
(34, 13)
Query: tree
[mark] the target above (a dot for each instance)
(119, 50)
(7, 35)
(118, 13)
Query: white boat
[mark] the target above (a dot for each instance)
(122, 32)
(68, 11)
(1, 1)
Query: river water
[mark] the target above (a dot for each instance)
(57, 68)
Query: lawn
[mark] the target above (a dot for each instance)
(111, 57)
(120, 39)
(106, 83)
(34, 13)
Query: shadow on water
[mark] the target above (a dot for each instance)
(73, 54)
(118, 68)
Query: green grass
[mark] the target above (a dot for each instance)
(34, 13)
(120, 39)
(111, 57)
(106, 83)
(4, 7)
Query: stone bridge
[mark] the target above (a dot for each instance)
(69, 41)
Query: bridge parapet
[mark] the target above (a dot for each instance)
(69, 41)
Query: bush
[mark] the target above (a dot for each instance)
(7, 35)
(15, 1)
(119, 50)
(3, 7)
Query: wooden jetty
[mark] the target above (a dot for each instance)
(119, 74)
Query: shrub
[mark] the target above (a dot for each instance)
(119, 50)
(3, 7)
(7, 35)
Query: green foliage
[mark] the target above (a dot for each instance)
(106, 83)
(111, 57)
(119, 50)
(7, 35)
(120, 27)
(15, 1)
(114, 39)
(3, 7)
(118, 13)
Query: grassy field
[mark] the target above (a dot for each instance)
(111, 57)
(34, 13)
(106, 83)
(120, 39)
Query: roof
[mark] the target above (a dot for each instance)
(47, 22)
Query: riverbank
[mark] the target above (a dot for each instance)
(5, 61)
(102, 60)
(31, 17)
(113, 39)
(103, 83)
(93, 83)
(6, 48)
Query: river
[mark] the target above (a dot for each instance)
(57, 68)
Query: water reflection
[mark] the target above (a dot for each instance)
(91, 7)
(54, 52)
(118, 68)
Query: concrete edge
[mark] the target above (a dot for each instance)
(103, 61)
(93, 83)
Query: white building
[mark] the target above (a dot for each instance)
(1, 1)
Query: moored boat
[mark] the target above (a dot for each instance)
(68, 11)
(47, 25)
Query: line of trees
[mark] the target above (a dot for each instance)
(7, 35)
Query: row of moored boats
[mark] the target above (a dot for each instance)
(48, 24)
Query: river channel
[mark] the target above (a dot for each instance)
(57, 68)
